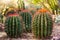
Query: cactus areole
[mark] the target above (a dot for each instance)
(42, 24)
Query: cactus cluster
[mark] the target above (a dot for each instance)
(42, 24)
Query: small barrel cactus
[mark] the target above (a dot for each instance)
(42, 24)
(27, 17)
(13, 26)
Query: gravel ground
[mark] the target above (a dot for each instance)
(56, 31)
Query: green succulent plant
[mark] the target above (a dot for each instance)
(42, 25)
(27, 17)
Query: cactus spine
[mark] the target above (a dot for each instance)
(42, 25)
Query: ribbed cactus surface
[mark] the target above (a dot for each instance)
(42, 25)
(13, 26)
(27, 17)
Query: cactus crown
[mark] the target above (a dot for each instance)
(43, 10)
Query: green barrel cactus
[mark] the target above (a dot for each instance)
(13, 25)
(27, 17)
(42, 25)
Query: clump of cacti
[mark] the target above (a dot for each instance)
(13, 26)
(27, 17)
(42, 24)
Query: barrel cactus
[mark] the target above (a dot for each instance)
(13, 26)
(27, 17)
(42, 24)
